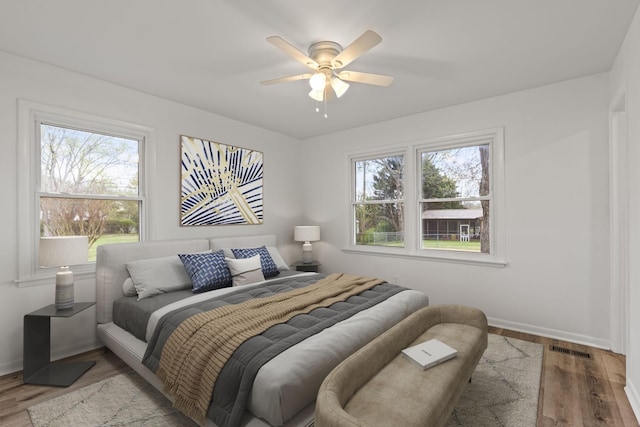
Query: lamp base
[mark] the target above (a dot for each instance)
(64, 289)
(307, 255)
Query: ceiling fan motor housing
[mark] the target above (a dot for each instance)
(324, 52)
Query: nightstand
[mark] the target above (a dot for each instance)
(309, 266)
(36, 358)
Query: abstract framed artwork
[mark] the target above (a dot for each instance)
(220, 184)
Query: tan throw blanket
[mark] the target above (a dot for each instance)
(196, 351)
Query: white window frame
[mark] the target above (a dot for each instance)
(412, 184)
(30, 116)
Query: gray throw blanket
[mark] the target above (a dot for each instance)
(233, 385)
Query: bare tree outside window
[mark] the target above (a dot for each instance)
(439, 198)
(88, 185)
(455, 201)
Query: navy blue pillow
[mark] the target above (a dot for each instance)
(207, 270)
(269, 268)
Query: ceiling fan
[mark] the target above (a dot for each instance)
(327, 59)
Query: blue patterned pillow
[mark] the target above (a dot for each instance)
(269, 268)
(208, 271)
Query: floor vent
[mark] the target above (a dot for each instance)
(569, 351)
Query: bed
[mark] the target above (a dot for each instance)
(283, 389)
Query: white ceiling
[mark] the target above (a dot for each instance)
(212, 54)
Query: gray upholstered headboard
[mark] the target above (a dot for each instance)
(218, 243)
(111, 262)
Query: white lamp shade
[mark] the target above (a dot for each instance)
(63, 250)
(306, 233)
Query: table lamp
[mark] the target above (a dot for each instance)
(306, 234)
(63, 251)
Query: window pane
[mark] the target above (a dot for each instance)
(78, 162)
(102, 221)
(458, 172)
(456, 226)
(379, 224)
(379, 179)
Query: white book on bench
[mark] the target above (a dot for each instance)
(429, 353)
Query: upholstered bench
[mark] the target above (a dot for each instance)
(378, 386)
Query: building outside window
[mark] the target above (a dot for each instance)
(450, 205)
(455, 201)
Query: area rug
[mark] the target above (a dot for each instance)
(122, 400)
(504, 388)
(503, 392)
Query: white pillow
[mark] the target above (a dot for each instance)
(273, 251)
(245, 271)
(155, 276)
(277, 258)
(128, 289)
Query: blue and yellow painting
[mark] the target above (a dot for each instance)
(221, 184)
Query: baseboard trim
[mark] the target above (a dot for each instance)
(550, 333)
(56, 354)
(77, 348)
(634, 398)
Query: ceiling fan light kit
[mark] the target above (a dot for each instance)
(318, 81)
(326, 59)
(339, 87)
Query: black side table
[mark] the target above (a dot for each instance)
(309, 266)
(36, 357)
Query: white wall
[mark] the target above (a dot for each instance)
(21, 78)
(625, 79)
(556, 149)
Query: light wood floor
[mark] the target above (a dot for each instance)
(574, 390)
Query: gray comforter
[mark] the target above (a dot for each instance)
(233, 387)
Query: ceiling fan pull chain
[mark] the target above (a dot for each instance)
(325, 103)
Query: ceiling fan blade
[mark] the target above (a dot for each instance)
(292, 51)
(366, 78)
(362, 44)
(286, 79)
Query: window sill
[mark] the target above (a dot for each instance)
(50, 279)
(457, 257)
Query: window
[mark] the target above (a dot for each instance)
(378, 201)
(455, 201)
(449, 206)
(87, 180)
(88, 185)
